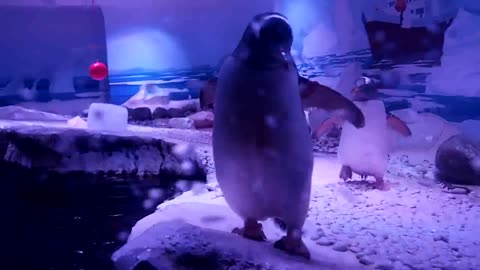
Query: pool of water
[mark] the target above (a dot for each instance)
(77, 221)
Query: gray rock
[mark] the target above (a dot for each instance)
(178, 245)
(176, 112)
(341, 247)
(140, 114)
(458, 161)
(79, 150)
(323, 241)
(159, 113)
(365, 260)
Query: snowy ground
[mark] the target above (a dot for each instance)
(413, 226)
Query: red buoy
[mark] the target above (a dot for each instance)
(98, 71)
(400, 5)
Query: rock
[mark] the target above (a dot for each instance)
(341, 247)
(202, 119)
(323, 241)
(384, 266)
(179, 245)
(181, 123)
(64, 150)
(440, 238)
(176, 112)
(458, 161)
(140, 114)
(365, 260)
(160, 112)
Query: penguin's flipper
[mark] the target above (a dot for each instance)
(326, 126)
(398, 125)
(315, 95)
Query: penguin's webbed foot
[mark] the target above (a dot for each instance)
(382, 185)
(346, 173)
(252, 230)
(293, 246)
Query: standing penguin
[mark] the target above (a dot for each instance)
(365, 150)
(261, 144)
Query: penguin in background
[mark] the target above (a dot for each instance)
(262, 148)
(365, 150)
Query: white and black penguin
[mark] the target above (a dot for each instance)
(261, 144)
(365, 150)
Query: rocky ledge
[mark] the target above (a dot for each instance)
(64, 149)
(180, 245)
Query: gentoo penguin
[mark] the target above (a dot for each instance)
(365, 150)
(261, 145)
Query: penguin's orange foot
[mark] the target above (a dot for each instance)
(252, 230)
(294, 247)
(346, 173)
(382, 185)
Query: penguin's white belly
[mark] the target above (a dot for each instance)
(365, 150)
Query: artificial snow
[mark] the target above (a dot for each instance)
(460, 63)
(107, 117)
(77, 122)
(22, 114)
(348, 227)
(71, 107)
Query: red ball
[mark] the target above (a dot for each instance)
(98, 71)
(400, 5)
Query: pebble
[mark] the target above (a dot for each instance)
(366, 260)
(355, 249)
(324, 242)
(443, 238)
(387, 265)
(341, 247)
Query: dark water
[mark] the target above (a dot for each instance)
(76, 221)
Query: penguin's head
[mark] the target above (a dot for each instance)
(267, 40)
(365, 89)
